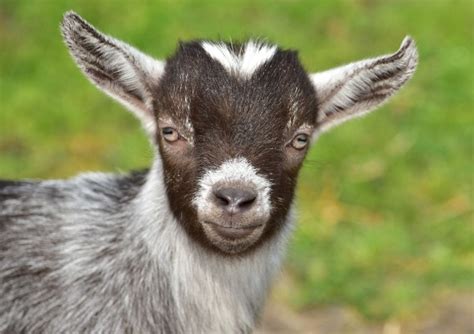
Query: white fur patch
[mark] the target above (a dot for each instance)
(234, 170)
(245, 64)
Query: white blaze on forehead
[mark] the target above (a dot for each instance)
(237, 170)
(254, 55)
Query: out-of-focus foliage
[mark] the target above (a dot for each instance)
(385, 203)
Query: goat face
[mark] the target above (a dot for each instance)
(232, 122)
(232, 141)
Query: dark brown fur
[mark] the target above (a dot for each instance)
(231, 118)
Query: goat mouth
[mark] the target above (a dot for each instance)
(233, 232)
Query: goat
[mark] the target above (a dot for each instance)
(192, 244)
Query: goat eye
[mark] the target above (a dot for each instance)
(170, 134)
(300, 141)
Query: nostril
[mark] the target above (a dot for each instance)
(222, 200)
(235, 199)
(247, 202)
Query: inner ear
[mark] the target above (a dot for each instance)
(121, 71)
(355, 89)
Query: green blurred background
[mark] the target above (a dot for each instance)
(385, 203)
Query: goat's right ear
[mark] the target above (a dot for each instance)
(121, 71)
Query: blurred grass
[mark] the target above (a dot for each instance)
(385, 203)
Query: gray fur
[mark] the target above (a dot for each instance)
(89, 255)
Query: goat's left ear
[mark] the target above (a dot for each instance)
(355, 89)
(121, 71)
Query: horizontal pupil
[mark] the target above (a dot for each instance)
(168, 131)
